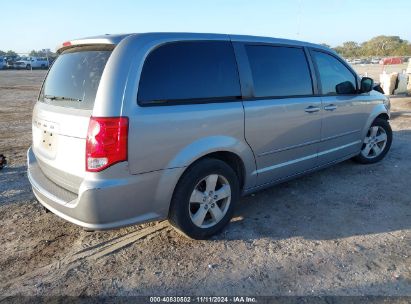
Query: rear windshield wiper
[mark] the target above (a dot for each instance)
(53, 97)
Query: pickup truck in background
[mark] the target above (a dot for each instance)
(32, 63)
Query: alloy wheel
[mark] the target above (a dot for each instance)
(374, 143)
(209, 201)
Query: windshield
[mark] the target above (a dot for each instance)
(74, 77)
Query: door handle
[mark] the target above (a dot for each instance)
(330, 107)
(312, 109)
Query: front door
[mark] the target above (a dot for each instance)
(283, 118)
(344, 110)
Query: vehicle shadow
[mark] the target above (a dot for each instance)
(344, 200)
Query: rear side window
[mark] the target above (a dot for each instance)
(189, 72)
(335, 77)
(279, 71)
(74, 77)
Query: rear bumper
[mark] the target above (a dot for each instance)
(109, 200)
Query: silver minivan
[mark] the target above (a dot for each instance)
(142, 127)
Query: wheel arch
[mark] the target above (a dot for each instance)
(381, 120)
(383, 116)
(379, 111)
(231, 159)
(234, 152)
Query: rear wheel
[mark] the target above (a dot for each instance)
(28, 67)
(204, 199)
(376, 143)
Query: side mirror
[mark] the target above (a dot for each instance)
(367, 84)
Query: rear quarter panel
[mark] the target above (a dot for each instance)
(175, 136)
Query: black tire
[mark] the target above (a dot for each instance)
(179, 214)
(28, 67)
(379, 122)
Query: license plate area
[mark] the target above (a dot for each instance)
(47, 142)
(47, 137)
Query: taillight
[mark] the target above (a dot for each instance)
(106, 143)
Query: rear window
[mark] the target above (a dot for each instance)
(279, 71)
(189, 72)
(74, 77)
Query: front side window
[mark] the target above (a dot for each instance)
(189, 71)
(279, 71)
(335, 77)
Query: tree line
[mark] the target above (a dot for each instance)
(380, 46)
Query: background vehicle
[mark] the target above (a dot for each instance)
(21, 65)
(10, 61)
(391, 60)
(180, 125)
(3, 63)
(41, 63)
(375, 60)
(10, 64)
(32, 62)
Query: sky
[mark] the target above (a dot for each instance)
(28, 25)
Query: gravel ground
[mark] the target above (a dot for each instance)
(345, 230)
(374, 70)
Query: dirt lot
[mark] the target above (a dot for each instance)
(345, 230)
(374, 70)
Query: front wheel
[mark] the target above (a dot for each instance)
(376, 143)
(204, 199)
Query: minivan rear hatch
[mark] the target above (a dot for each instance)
(61, 117)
